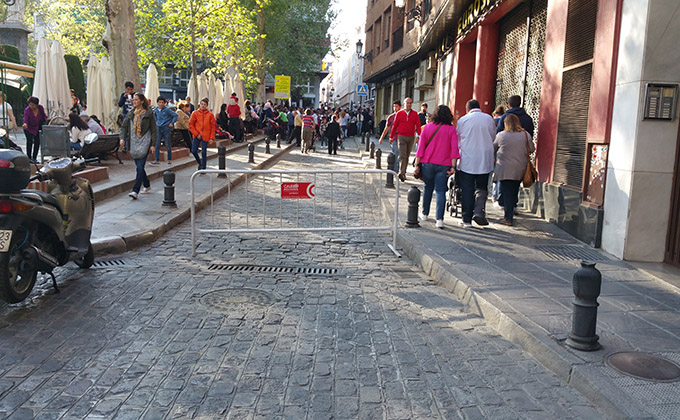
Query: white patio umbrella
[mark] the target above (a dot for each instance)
(219, 97)
(211, 89)
(151, 89)
(42, 83)
(95, 103)
(61, 99)
(202, 88)
(240, 93)
(109, 100)
(228, 84)
(191, 90)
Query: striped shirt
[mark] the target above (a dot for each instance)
(307, 121)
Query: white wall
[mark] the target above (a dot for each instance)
(642, 152)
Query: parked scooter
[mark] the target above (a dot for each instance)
(40, 231)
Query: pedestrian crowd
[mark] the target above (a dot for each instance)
(461, 156)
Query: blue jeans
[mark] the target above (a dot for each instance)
(508, 197)
(474, 191)
(204, 150)
(163, 134)
(395, 150)
(141, 177)
(435, 178)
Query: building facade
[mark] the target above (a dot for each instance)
(600, 80)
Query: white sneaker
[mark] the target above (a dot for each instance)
(146, 190)
(422, 217)
(440, 224)
(133, 195)
(465, 225)
(495, 204)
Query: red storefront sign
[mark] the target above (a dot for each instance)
(297, 190)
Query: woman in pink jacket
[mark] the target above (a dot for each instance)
(436, 159)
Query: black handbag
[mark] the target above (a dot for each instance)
(419, 174)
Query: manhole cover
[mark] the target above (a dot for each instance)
(226, 299)
(644, 366)
(571, 252)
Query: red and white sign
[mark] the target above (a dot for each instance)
(297, 190)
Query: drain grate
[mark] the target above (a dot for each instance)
(571, 252)
(272, 269)
(110, 263)
(224, 300)
(644, 366)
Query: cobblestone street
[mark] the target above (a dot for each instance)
(310, 326)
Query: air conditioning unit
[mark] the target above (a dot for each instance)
(424, 78)
(432, 62)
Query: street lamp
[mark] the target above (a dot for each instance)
(360, 47)
(415, 13)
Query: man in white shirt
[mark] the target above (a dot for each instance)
(476, 133)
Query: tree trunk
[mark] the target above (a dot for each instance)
(260, 95)
(119, 40)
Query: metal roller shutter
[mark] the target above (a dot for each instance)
(572, 128)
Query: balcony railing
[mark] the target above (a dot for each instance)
(398, 39)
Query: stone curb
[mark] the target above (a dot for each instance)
(121, 244)
(126, 186)
(513, 326)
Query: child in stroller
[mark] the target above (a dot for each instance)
(453, 195)
(275, 127)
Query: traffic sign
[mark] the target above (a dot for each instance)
(297, 190)
(362, 90)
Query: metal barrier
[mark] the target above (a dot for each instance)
(295, 190)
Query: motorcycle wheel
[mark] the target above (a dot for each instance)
(87, 260)
(15, 284)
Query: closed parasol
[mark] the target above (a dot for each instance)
(61, 102)
(151, 89)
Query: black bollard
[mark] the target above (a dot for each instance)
(251, 153)
(222, 159)
(378, 156)
(372, 151)
(266, 149)
(587, 282)
(412, 214)
(367, 137)
(169, 181)
(391, 158)
(278, 141)
(362, 138)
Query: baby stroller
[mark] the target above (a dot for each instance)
(275, 128)
(453, 195)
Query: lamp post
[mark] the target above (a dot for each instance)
(415, 13)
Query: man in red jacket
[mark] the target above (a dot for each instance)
(406, 125)
(234, 113)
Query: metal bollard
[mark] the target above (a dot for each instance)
(362, 138)
(278, 141)
(378, 156)
(251, 153)
(412, 214)
(587, 282)
(222, 159)
(372, 151)
(267, 149)
(367, 140)
(169, 181)
(391, 158)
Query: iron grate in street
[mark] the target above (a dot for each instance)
(273, 269)
(571, 252)
(110, 263)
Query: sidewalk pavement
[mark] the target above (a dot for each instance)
(520, 280)
(122, 224)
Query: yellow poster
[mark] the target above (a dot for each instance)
(282, 87)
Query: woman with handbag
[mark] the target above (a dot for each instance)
(513, 146)
(436, 160)
(139, 130)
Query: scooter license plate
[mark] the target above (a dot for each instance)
(5, 238)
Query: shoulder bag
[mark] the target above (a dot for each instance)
(419, 175)
(530, 173)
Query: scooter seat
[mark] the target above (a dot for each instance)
(47, 198)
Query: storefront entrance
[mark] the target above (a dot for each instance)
(673, 239)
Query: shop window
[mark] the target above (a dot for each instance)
(396, 92)
(387, 99)
(410, 83)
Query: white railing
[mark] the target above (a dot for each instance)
(323, 207)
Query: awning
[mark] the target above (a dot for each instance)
(14, 72)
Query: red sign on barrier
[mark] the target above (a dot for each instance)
(297, 190)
